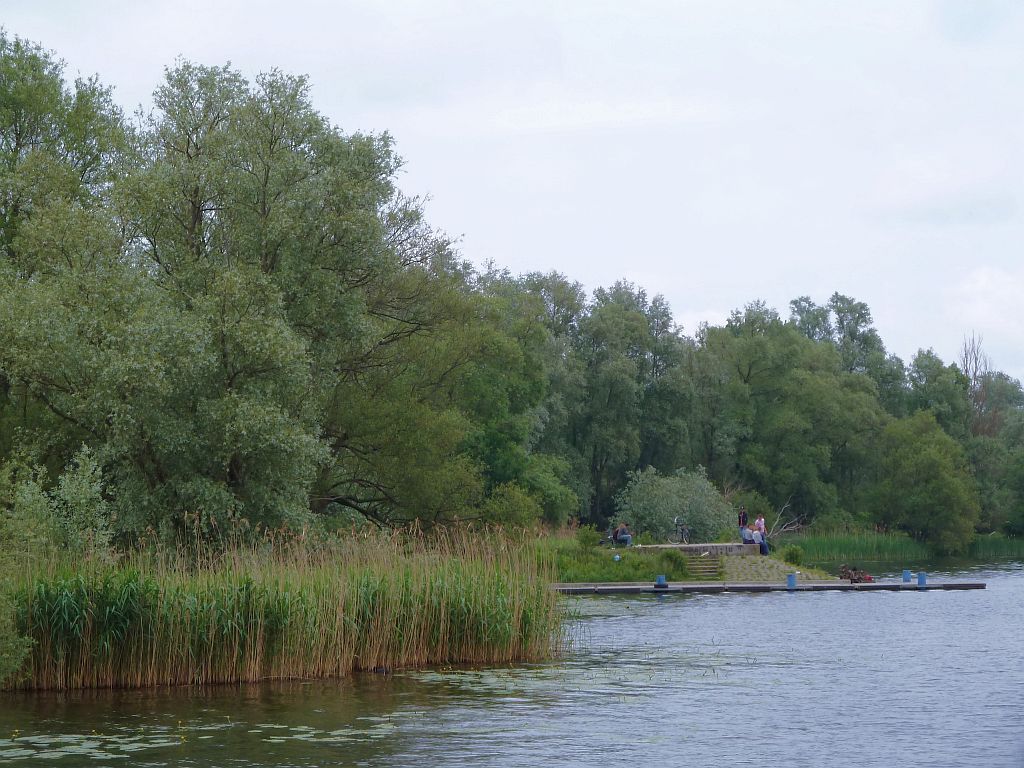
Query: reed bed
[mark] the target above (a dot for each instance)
(287, 611)
(857, 547)
(996, 547)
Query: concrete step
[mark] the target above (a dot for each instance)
(703, 567)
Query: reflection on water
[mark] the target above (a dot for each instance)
(915, 679)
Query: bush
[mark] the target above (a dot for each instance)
(588, 537)
(650, 502)
(793, 555)
(81, 509)
(28, 527)
(510, 505)
(672, 561)
(544, 479)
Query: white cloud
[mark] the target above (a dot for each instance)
(991, 297)
(988, 303)
(717, 151)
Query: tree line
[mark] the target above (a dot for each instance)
(223, 316)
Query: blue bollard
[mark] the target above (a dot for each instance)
(660, 582)
(790, 581)
(906, 576)
(922, 579)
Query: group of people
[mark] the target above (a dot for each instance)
(750, 533)
(753, 533)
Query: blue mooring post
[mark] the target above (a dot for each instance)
(906, 575)
(790, 581)
(660, 583)
(922, 579)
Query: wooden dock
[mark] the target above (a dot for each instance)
(714, 587)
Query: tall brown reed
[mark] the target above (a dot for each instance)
(286, 610)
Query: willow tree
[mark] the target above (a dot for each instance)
(237, 311)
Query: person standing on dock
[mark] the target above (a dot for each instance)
(741, 520)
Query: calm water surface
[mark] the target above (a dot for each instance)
(823, 679)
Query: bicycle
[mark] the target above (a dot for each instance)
(681, 535)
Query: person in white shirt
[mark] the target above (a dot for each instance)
(758, 538)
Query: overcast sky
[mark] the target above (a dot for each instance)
(713, 151)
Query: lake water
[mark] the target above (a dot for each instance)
(819, 679)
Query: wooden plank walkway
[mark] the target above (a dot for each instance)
(712, 587)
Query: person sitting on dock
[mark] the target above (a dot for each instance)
(855, 575)
(747, 533)
(758, 538)
(622, 536)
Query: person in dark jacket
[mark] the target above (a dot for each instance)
(741, 520)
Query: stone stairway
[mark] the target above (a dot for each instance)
(704, 568)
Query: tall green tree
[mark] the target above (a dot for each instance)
(941, 389)
(924, 484)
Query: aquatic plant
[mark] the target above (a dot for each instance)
(864, 546)
(996, 547)
(285, 611)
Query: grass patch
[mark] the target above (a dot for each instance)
(576, 560)
(284, 612)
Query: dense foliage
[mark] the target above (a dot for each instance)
(654, 502)
(225, 318)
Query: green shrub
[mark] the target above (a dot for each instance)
(30, 527)
(511, 505)
(588, 537)
(650, 502)
(83, 513)
(793, 555)
(545, 477)
(673, 561)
